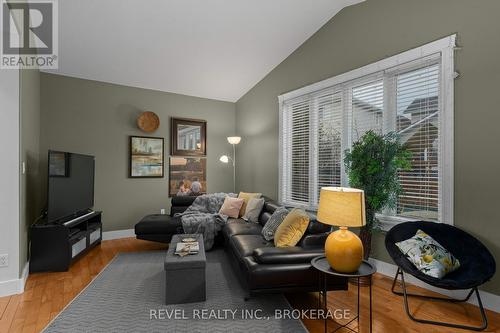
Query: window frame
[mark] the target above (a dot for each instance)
(440, 51)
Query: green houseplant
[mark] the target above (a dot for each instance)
(372, 165)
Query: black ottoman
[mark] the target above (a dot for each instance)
(158, 228)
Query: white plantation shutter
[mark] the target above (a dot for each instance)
(328, 107)
(296, 152)
(417, 103)
(367, 105)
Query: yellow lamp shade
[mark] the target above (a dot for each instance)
(342, 206)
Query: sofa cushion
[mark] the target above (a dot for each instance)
(286, 255)
(246, 197)
(313, 240)
(264, 217)
(274, 276)
(158, 224)
(253, 210)
(244, 245)
(292, 229)
(231, 207)
(269, 208)
(274, 221)
(186, 200)
(270, 205)
(240, 227)
(316, 227)
(177, 209)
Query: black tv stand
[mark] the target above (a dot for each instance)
(55, 246)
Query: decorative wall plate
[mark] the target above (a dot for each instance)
(148, 121)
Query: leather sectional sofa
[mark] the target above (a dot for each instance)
(261, 266)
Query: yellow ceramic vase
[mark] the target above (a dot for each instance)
(344, 251)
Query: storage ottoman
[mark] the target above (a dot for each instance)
(185, 276)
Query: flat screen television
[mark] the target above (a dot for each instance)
(70, 185)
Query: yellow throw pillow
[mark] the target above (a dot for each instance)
(292, 228)
(246, 197)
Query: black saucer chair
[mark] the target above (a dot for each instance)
(477, 265)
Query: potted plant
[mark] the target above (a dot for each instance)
(372, 165)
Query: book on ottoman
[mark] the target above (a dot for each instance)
(187, 248)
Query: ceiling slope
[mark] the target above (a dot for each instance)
(216, 49)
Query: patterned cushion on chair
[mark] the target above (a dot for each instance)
(428, 255)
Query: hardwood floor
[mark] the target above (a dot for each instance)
(46, 294)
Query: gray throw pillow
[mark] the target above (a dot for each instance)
(253, 210)
(274, 221)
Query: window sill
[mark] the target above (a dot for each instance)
(387, 222)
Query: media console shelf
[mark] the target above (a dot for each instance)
(55, 246)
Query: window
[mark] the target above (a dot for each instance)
(411, 94)
(417, 119)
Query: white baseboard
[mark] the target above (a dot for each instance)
(9, 287)
(15, 286)
(117, 234)
(490, 301)
(24, 277)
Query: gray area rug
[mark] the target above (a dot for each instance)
(128, 296)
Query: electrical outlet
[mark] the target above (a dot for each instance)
(4, 260)
(162, 211)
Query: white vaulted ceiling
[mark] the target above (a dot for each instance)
(216, 49)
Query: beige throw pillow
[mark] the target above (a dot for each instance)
(253, 210)
(231, 207)
(247, 196)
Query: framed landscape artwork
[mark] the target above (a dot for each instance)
(188, 176)
(146, 157)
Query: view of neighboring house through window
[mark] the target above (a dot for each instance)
(317, 126)
(329, 135)
(418, 127)
(367, 105)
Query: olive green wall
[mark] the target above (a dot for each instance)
(97, 118)
(30, 207)
(371, 31)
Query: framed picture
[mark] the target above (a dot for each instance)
(58, 164)
(189, 137)
(188, 176)
(146, 157)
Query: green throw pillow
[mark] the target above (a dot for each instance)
(428, 255)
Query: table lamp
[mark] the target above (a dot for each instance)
(343, 207)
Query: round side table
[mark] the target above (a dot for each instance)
(365, 270)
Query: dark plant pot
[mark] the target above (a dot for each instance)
(365, 234)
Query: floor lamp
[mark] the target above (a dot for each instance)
(233, 140)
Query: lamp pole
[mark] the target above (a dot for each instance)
(233, 140)
(234, 168)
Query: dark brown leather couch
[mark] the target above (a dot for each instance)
(261, 266)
